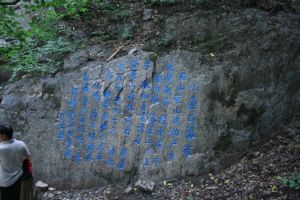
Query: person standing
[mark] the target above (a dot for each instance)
(12, 154)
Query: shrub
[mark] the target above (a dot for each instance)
(293, 182)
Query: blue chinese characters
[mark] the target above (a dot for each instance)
(155, 112)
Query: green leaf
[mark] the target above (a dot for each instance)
(285, 181)
(278, 178)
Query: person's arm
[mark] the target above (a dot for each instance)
(26, 153)
(27, 164)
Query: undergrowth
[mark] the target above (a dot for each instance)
(41, 48)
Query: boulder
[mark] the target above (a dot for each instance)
(128, 189)
(150, 117)
(148, 14)
(40, 185)
(145, 185)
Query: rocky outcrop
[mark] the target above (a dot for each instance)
(159, 117)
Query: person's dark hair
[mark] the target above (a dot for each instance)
(6, 129)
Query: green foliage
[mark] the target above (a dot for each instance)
(178, 2)
(9, 26)
(112, 11)
(38, 59)
(41, 49)
(190, 197)
(73, 7)
(44, 27)
(293, 182)
(63, 8)
(162, 1)
(128, 33)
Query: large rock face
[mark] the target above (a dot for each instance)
(143, 116)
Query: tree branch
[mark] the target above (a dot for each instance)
(9, 3)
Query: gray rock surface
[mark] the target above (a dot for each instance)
(3, 43)
(128, 189)
(76, 59)
(149, 117)
(145, 185)
(40, 185)
(148, 14)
